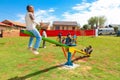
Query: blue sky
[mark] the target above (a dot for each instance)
(10, 8)
(65, 10)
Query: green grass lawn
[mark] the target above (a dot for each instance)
(18, 63)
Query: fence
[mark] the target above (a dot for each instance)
(52, 33)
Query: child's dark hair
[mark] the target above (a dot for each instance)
(44, 29)
(28, 6)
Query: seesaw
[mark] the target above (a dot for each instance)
(69, 51)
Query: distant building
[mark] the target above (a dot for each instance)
(4, 26)
(65, 25)
(46, 26)
(7, 31)
(14, 25)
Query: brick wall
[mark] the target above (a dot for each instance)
(10, 33)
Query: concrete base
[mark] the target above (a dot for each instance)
(70, 67)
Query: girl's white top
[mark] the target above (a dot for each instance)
(44, 34)
(30, 24)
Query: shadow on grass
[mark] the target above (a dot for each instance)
(2, 43)
(42, 71)
(35, 73)
(79, 58)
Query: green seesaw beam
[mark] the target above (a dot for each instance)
(43, 38)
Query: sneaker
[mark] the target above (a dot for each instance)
(35, 52)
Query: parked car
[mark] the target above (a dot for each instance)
(118, 33)
(106, 31)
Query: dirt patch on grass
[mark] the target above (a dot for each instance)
(34, 59)
(86, 68)
(42, 78)
(52, 45)
(21, 65)
(92, 62)
(9, 43)
(48, 58)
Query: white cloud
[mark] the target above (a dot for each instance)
(108, 8)
(80, 18)
(82, 6)
(40, 15)
(51, 10)
(20, 18)
(45, 15)
(81, 12)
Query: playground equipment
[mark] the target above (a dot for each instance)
(69, 51)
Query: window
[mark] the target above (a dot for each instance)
(63, 28)
(67, 27)
(73, 28)
(57, 28)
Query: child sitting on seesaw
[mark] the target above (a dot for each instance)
(31, 26)
(68, 40)
(88, 50)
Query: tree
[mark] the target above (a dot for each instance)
(85, 27)
(91, 22)
(102, 21)
(96, 21)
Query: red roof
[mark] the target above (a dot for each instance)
(14, 23)
(2, 24)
